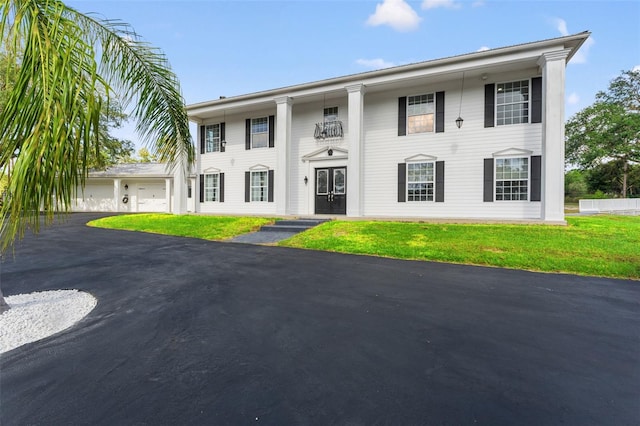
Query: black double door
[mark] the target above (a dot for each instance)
(331, 190)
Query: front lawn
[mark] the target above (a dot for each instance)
(596, 245)
(607, 246)
(205, 227)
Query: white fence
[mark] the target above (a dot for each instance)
(611, 205)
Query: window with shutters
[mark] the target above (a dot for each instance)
(212, 187)
(420, 113)
(420, 181)
(212, 138)
(260, 132)
(512, 102)
(512, 179)
(259, 186)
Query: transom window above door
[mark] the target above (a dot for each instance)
(330, 114)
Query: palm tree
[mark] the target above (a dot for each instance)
(67, 62)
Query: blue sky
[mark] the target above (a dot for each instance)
(231, 48)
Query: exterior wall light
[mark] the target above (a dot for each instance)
(459, 120)
(306, 180)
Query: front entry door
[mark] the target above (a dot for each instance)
(331, 190)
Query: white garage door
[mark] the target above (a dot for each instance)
(152, 197)
(97, 197)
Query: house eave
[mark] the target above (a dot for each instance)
(526, 52)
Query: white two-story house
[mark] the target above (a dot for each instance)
(475, 136)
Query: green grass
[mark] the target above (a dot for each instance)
(606, 246)
(205, 227)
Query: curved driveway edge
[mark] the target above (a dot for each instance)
(196, 332)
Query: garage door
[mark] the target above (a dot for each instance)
(152, 197)
(97, 197)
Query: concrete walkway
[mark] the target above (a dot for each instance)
(280, 230)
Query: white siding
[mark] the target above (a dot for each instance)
(305, 117)
(234, 162)
(462, 150)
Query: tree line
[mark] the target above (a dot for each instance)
(603, 143)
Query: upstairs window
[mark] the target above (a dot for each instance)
(260, 132)
(330, 114)
(512, 179)
(212, 138)
(420, 113)
(512, 102)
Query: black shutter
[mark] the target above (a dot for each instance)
(536, 100)
(221, 197)
(247, 134)
(247, 187)
(202, 188)
(270, 187)
(439, 181)
(402, 116)
(202, 131)
(222, 136)
(272, 131)
(536, 177)
(488, 180)
(489, 105)
(402, 182)
(439, 112)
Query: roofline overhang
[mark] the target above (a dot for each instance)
(452, 63)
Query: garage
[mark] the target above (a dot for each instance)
(131, 187)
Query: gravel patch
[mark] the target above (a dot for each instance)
(38, 315)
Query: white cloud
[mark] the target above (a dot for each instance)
(377, 63)
(433, 4)
(478, 3)
(573, 99)
(395, 13)
(483, 48)
(561, 25)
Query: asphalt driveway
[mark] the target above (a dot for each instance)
(196, 332)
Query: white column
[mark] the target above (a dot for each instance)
(167, 194)
(283, 155)
(116, 195)
(355, 170)
(179, 187)
(553, 81)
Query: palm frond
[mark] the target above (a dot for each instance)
(51, 119)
